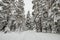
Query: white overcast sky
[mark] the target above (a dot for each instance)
(28, 6)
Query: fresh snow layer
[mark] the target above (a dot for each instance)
(29, 35)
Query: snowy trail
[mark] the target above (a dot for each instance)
(29, 35)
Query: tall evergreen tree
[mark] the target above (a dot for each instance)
(36, 13)
(28, 21)
(44, 9)
(20, 17)
(13, 11)
(5, 12)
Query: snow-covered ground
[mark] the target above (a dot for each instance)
(29, 35)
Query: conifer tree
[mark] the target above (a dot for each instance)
(13, 13)
(5, 4)
(44, 9)
(28, 21)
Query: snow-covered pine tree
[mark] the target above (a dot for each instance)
(13, 11)
(55, 9)
(43, 9)
(5, 4)
(28, 21)
(35, 13)
(20, 17)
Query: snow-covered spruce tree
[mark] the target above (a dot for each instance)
(52, 9)
(35, 13)
(43, 12)
(20, 17)
(55, 13)
(28, 21)
(5, 4)
(14, 11)
(17, 11)
(40, 13)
